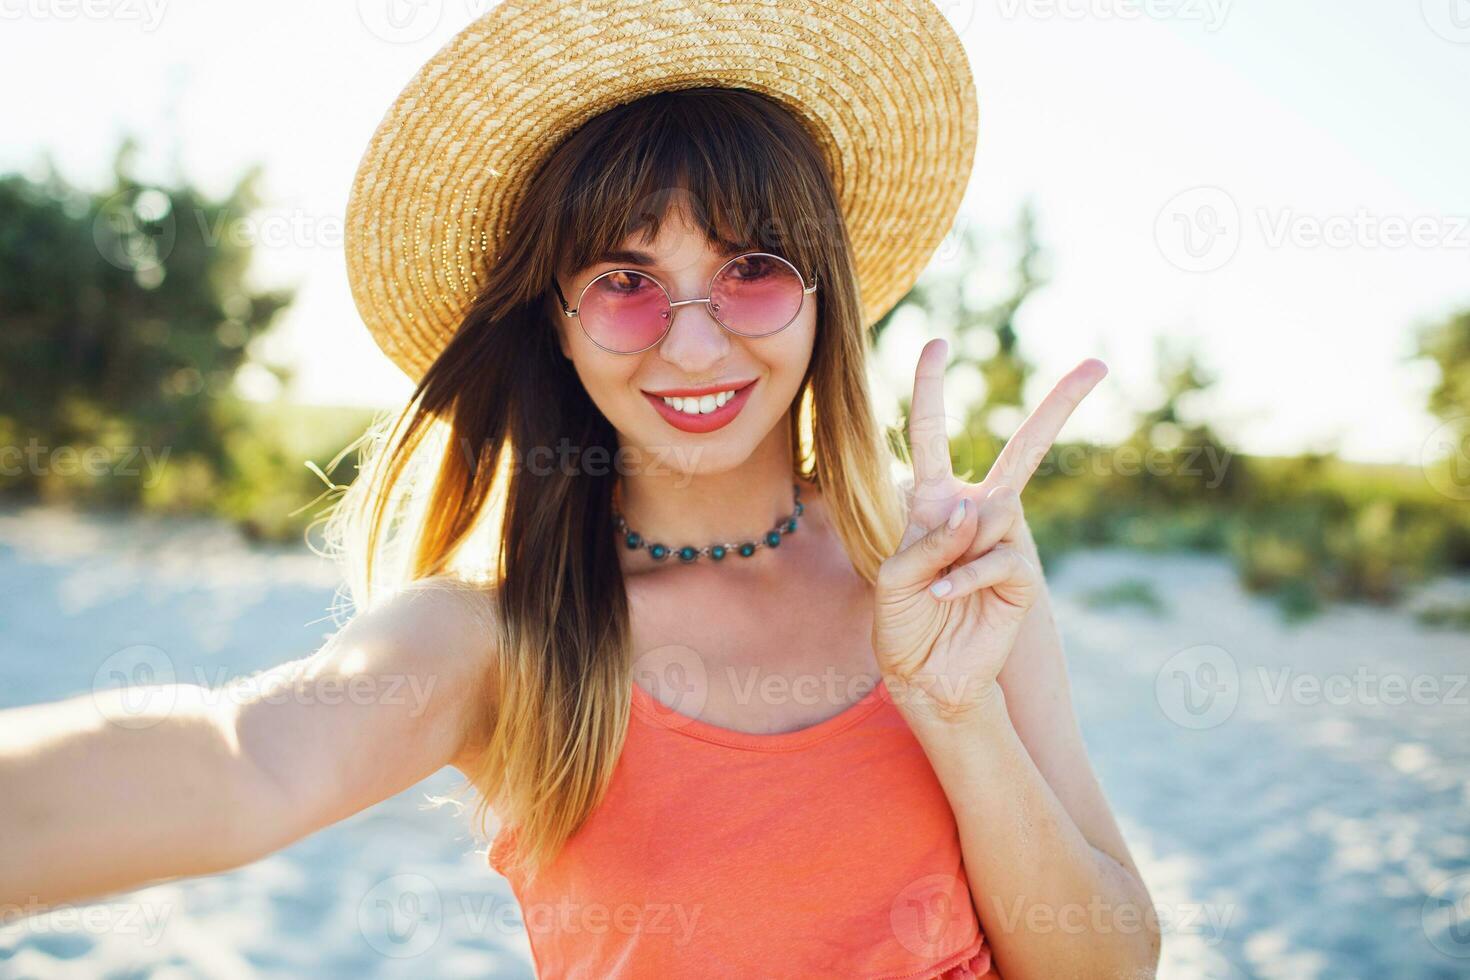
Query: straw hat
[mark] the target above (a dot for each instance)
(883, 86)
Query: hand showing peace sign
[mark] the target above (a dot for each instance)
(950, 602)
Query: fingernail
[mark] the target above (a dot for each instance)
(957, 516)
(941, 589)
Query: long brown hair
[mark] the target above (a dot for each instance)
(446, 489)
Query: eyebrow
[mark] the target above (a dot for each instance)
(624, 256)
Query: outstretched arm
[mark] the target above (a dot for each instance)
(210, 779)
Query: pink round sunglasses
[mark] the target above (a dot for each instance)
(625, 311)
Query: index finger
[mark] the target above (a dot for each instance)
(1029, 444)
(928, 438)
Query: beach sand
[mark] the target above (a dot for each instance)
(1290, 818)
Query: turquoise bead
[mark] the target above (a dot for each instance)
(717, 552)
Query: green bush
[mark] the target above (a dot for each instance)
(126, 318)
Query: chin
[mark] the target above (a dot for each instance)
(669, 452)
(664, 449)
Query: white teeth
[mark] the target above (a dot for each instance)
(702, 405)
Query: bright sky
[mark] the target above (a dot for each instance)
(1283, 184)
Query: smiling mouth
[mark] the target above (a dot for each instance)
(695, 402)
(703, 409)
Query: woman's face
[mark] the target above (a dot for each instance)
(696, 358)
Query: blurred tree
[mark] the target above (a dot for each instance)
(1183, 455)
(1005, 371)
(1447, 344)
(1180, 375)
(984, 336)
(1306, 529)
(125, 316)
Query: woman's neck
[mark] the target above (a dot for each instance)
(741, 504)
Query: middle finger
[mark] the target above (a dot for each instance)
(999, 513)
(1024, 451)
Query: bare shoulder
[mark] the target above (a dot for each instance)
(440, 610)
(436, 636)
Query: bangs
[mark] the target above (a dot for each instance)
(751, 179)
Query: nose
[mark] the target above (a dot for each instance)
(695, 343)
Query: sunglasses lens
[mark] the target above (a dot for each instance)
(756, 295)
(625, 311)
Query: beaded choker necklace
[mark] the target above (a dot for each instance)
(716, 552)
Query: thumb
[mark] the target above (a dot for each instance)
(915, 566)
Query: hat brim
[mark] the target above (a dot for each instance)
(884, 87)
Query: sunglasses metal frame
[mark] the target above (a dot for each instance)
(806, 290)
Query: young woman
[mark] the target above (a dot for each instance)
(742, 702)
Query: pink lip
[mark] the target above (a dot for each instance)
(709, 422)
(698, 390)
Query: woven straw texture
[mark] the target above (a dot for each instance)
(883, 85)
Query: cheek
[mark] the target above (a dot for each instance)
(792, 352)
(606, 378)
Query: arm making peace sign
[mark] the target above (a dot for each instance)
(950, 602)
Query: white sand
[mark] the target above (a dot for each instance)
(1287, 839)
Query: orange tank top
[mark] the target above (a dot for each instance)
(826, 852)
